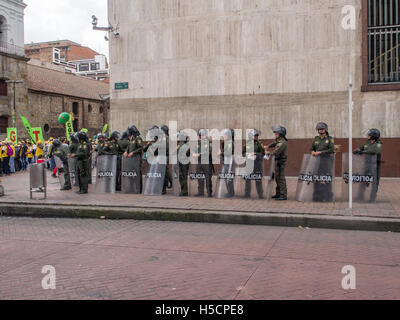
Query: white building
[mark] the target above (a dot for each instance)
(12, 26)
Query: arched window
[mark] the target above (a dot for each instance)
(90, 109)
(3, 30)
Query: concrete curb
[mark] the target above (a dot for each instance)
(268, 219)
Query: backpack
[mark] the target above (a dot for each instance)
(9, 151)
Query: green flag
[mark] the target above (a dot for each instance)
(12, 135)
(38, 134)
(69, 128)
(105, 129)
(27, 127)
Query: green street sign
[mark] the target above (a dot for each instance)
(121, 85)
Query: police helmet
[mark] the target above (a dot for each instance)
(134, 131)
(56, 143)
(322, 126)
(182, 136)
(374, 133)
(203, 132)
(74, 137)
(253, 133)
(280, 130)
(115, 135)
(125, 135)
(165, 129)
(82, 136)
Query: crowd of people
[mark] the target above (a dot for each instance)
(16, 157)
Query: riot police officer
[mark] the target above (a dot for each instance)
(227, 153)
(373, 146)
(74, 143)
(135, 149)
(204, 152)
(258, 156)
(62, 151)
(183, 142)
(323, 146)
(82, 154)
(113, 148)
(279, 151)
(168, 177)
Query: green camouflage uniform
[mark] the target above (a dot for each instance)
(280, 153)
(326, 145)
(83, 154)
(62, 152)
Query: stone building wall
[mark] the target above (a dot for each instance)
(14, 68)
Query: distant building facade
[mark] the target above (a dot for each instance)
(13, 64)
(52, 92)
(72, 56)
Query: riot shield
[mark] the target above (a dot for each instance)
(60, 169)
(269, 167)
(226, 180)
(130, 175)
(155, 176)
(176, 186)
(365, 182)
(316, 179)
(72, 163)
(94, 159)
(106, 174)
(251, 178)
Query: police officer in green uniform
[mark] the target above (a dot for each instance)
(258, 154)
(74, 143)
(280, 152)
(168, 176)
(372, 146)
(183, 142)
(123, 144)
(323, 146)
(82, 155)
(62, 151)
(227, 153)
(204, 152)
(135, 149)
(111, 148)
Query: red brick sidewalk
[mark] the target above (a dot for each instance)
(388, 204)
(127, 259)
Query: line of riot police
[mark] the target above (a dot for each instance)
(119, 160)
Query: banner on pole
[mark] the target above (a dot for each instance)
(38, 134)
(105, 129)
(69, 128)
(12, 135)
(28, 127)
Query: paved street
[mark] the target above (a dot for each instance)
(126, 259)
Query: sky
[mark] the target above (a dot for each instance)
(48, 20)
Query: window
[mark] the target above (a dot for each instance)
(101, 110)
(383, 41)
(3, 31)
(94, 66)
(3, 88)
(75, 108)
(90, 109)
(3, 124)
(84, 67)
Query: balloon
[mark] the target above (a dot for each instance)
(63, 118)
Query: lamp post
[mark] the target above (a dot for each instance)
(13, 110)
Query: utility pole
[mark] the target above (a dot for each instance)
(13, 110)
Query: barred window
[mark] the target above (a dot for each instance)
(383, 41)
